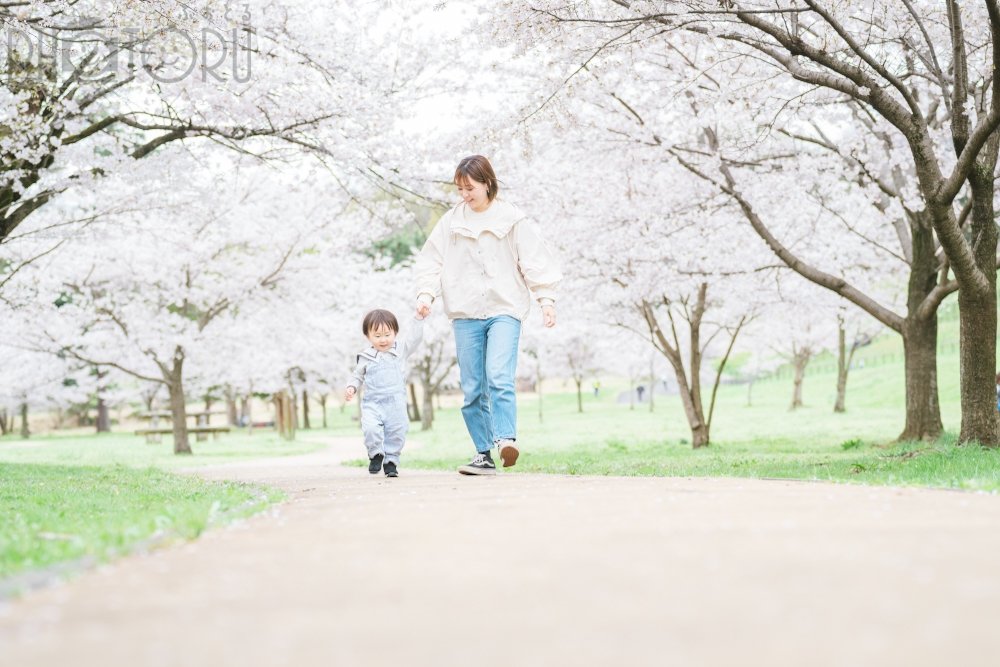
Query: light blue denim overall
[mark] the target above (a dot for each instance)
(384, 420)
(383, 408)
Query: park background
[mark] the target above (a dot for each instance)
(190, 239)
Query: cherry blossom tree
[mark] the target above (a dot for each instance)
(888, 67)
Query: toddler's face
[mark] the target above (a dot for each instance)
(382, 338)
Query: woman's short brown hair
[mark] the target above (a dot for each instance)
(479, 169)
(379, 318)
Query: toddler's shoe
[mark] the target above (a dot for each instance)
(375, 464)
(390, 469)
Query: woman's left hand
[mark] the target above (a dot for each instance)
(549, 315)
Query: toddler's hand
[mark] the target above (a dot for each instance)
(349, 393)
(549, 315)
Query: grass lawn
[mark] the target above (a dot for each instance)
(55, 513)
(87, 498)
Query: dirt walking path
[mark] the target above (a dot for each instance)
(439, 569)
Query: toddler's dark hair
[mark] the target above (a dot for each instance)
(379, 318)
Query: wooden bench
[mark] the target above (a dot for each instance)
(214, 430)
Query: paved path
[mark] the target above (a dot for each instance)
(438, 569)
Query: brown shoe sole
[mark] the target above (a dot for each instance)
(509, 455)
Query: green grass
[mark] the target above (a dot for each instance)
(55, 513)
(87, 498)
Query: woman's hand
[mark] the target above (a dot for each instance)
(549, 315)
(423, 310)
(349, 393)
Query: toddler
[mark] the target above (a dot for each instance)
(381, 369)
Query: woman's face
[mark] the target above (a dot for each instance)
(474, 194)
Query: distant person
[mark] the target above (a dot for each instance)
(597, 388)
(381, 369)
(640, 390)
(484, 259)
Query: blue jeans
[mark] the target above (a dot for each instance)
(487, 362)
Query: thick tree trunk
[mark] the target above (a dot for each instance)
(977, 350)
(103, 416)
(920, 335)
(977, 316)
(25, 429)
(178, 410)
(305, 410)
(579, 395)
(4, 422)
(427, 414)
(923, 411)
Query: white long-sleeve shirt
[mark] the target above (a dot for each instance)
(486, 264)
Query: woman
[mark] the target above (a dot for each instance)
(482, 259)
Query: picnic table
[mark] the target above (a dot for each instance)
(154, 433)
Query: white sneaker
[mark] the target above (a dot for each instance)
(508, 452)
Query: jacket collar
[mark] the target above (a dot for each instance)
(371, 353)
(498, 219)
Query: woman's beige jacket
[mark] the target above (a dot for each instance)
(484, 264)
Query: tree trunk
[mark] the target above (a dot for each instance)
(25, 429)
(750, 393)
(631, 394)
(284, 415)
(842, 368)
(232, 414)
(977, 317)
(652, 381)
(103, 417)
(923, 411)
(178, 409)
(4, 422)
(246, 412)
(700, 437)
(538, 390)
(413, 402)
(322, 406)
(579, 395)
(427, 415)
(977, 350)
(799, 362)
(305, 410)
